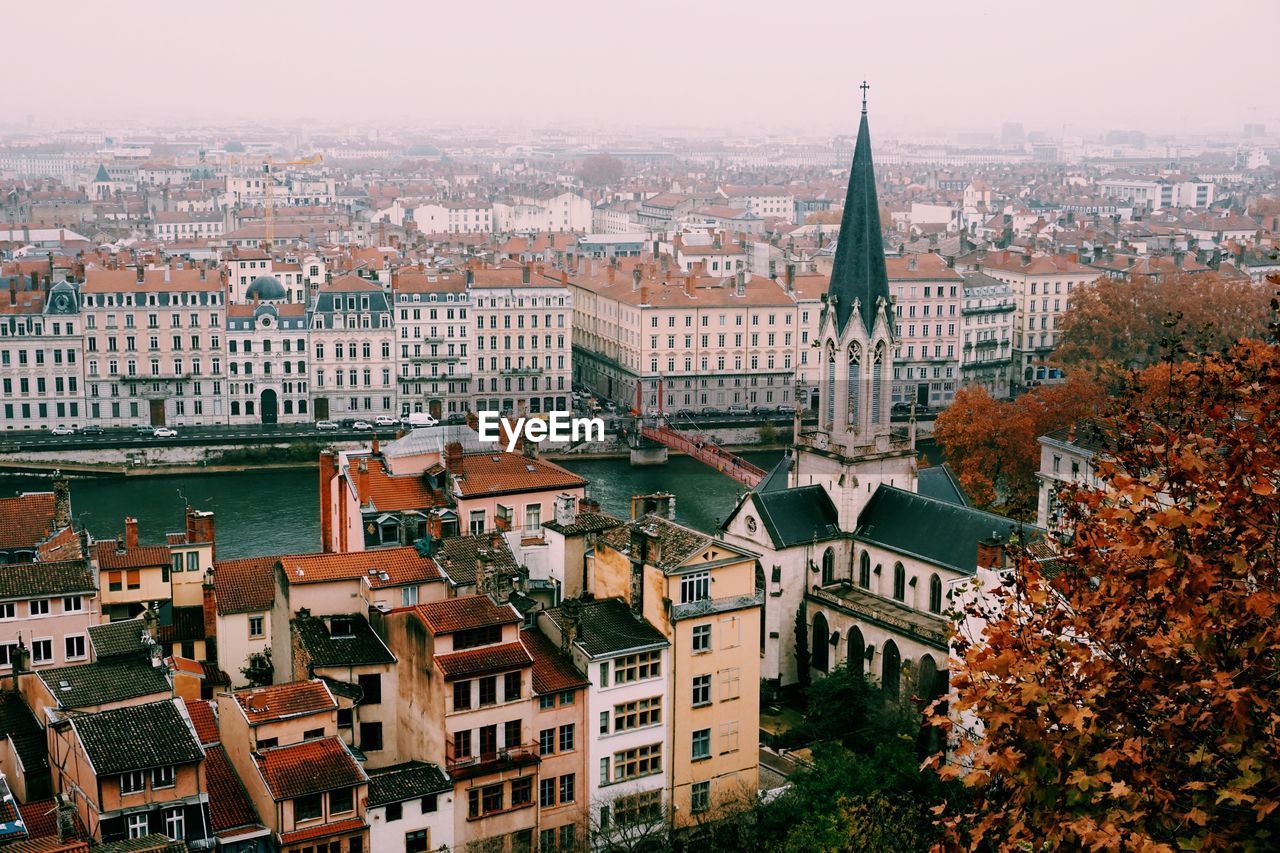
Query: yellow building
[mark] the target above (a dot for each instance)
(701, 593)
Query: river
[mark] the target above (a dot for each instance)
(277, 512)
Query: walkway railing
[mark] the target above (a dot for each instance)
(708, 453)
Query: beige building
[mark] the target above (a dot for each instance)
(154, 345)
(267, 377)
(353, 361)
(41, 356)
(927, 294)
(701, 594)
(433, 339)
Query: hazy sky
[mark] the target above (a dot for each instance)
(1076, 66)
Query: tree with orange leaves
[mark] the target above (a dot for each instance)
(1113, 326)
(1129, 697)
(993, 446)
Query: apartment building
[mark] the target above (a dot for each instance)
(433, 339)
(629, 710)
(171, 226)
(550, 211)
(134, 576)
(267, 377)
(926, 306)
(353, 342)
(153, 347)
(987, 319)
(764, 202)
(685, 341)
(701, 594)
(524, 338)
(1042, 286)
(46, 609)
(410, 808)
(41, 355)
(561, 721)
(463, 216)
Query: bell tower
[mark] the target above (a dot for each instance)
(854, 448)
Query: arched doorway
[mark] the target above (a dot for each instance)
(857, 650)
(270, 406)
(890, 669)
(820, 648)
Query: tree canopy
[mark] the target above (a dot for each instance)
(601, 170)
(1128, 693)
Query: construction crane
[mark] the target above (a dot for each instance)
(268, 193)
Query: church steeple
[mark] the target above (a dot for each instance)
(858, 274)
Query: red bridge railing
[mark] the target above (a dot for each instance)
(708, 453)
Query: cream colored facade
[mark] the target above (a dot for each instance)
(524, 340)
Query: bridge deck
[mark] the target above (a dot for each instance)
(708, 453)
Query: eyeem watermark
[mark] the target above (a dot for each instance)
(556, 426)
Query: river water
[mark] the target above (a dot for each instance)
(277, 512)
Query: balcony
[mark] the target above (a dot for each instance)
(483, 763)
(522, 371)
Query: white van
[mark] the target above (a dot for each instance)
(421, 419)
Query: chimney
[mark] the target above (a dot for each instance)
(991, 552)
(588, 505)
(610, 270)
(1026, 259)
(566, 509)
(635, 278)
(200, 527)
(453, 458)
(130, 532)
(471, 276)
(61, 501)
(209, 609)
(791, 277)
(362, 481)
(328, 472)
(689, 287)
(740, 284)
(644, 295)
(569, 633)
(524, 273)
(374, 449)
(912, 263)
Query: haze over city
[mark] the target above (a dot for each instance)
(737, 67)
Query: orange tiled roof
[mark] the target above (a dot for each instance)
(387, 492)
(26, 520)
(324, 830)
(140, 557)
(483, 660)
(467, 611)
(553, 670)
(204, 719)
(281, 701)
(400, 565)
(246, 585)
(508, 473)
(229, 805)
(308, 767)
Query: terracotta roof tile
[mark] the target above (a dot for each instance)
(468, 611)
(26, 520)
(324, 830)
(507, 473)
(282, 701)
(41, 819)
(308, 768)
(29, 580)
(553, 670)
(483, 660)
(245, 586)
(400, 565)
(229, 804)
(386, 492)
(143, 556)
(205, 719)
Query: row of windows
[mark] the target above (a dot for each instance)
(485, 691)
(74, 648)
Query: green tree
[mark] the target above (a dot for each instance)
(802, 643)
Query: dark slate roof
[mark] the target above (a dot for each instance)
(458, 556)
(586, 522)
(407, 781)
(778, 477)
(935, 531)
(362, 647)
(20, 725)
(676, 543)
(1089, 435)
(115, 639)
(31, 580)
(154, 843)
(799, 515)
(101, 682)
(608, 627)
(858, 272)
(137, 737)
(940, 482)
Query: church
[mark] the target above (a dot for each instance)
(861, 553)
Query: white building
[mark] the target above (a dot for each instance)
(987, 316)
(410, 807)
(563, 211)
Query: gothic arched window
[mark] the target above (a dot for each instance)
(864, 571)
(899, 582)
(857, 649)
(890, 668)
(828, 566)
(830, 414)
(935, 593)
(855, 382)
(820, 648)
(877, 377)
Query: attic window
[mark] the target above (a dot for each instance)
(340, 628)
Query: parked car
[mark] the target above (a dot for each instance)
(92, 429)
(456, 419)
(62, 429)
(786, 409)
(738, 409)
(385, 420)
(362, 426)
(327, 426)
(763, 410)
(421, 419)
(164, 432)
(685, 413)
(901, 408)
(711, 410)
(145, 429)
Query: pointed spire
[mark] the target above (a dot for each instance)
(858, 274)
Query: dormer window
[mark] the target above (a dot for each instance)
(340, 627)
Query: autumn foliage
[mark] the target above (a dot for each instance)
(1113, 326)
(1129, 693)
(993, 446)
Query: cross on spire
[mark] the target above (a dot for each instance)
(864, 87)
